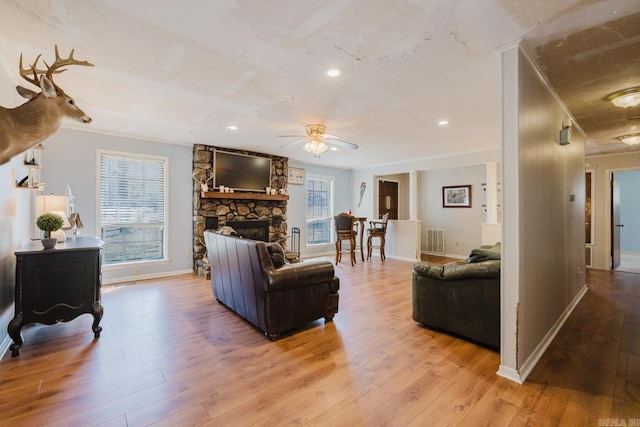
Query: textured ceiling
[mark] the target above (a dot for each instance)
(585, 67)
(182, 71)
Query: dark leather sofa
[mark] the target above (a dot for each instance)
(461, 297)
(251, 278)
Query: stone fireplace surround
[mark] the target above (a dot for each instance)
(213, 213)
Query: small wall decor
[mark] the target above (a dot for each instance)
(296, 176)
(363, 188)
(457, 196)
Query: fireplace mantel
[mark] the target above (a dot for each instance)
(243, 196)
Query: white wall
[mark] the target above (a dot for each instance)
(70, 157)
(602, 167)
(543, 272)
(462, 226)
(368, 176)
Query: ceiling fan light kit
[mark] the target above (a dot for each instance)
(315, 141)
(315, 147)
(631, 139)
(626, 98)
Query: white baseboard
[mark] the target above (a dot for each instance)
(510, 374)
(445, 255)
(398, 258)
(520, 375)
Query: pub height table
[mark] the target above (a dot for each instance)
(57, 285)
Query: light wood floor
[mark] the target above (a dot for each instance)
(169, 355)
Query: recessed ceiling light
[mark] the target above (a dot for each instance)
(333, 72)
(232, 127)
(443, 122)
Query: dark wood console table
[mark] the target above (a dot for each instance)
(57, 285)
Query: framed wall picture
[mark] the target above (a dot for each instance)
(457, 196)
(296, 176)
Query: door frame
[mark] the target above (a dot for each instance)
(608, 220)
(376, 205)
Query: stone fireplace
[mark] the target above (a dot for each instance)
(253, 215)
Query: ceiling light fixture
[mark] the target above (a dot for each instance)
(232, 128)
(315, 147)
(626, 98)
(333, 72)
(443, 122)
(631, 139)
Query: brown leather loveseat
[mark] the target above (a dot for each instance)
(274, 298)
(461, 297)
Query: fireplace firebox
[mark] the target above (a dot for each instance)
(251, 229)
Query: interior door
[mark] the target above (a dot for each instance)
(388, 198)
(615, 222)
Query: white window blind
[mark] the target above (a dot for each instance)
(319, 209)
(132, 207)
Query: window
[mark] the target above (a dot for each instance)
(319, 209)
(132, 207)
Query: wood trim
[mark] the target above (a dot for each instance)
(243, 196)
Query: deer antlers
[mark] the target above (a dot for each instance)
(51, 69)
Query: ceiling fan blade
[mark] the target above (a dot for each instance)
(341, 143)
(293, 143)
(291, 136)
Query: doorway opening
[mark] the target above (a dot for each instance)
(388, 198)
(625, 224)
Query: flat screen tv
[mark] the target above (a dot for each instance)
(241, 171)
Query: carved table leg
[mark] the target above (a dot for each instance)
(14, 328)
(97, 316)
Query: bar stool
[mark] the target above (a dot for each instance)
(377, 229)
(344, 231)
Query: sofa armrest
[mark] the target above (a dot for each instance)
(299, 275)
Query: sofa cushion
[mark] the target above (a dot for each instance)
(484, 253)
(276, 252)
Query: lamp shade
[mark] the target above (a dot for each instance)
(56, 205)
(50, 203)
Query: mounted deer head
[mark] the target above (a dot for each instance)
(29, 124)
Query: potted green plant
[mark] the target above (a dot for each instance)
(49, 222)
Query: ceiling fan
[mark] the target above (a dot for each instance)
(315, 141)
